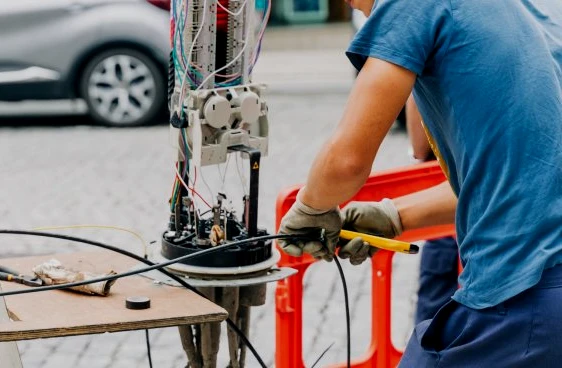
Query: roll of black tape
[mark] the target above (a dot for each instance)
(137, 302)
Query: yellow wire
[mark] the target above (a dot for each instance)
(137, 235)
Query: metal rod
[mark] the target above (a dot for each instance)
(210, 335)
(186, 336)
(230, 298)
(244, 323)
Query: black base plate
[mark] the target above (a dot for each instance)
(245, 255)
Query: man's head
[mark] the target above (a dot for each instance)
(364, 6)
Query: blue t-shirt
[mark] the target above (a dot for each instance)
(489, 76)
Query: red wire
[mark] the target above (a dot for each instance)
(193, 191)
(194, 179)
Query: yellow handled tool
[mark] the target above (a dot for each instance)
(381, 243)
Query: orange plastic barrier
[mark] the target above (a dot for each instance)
(289, 292)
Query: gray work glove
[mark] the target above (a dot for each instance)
(306, 221)
(375, 218)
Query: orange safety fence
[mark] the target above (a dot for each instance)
(289, 292)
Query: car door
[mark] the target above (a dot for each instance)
(26, 28)
(36, 39)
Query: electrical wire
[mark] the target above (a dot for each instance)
(194, 181)
(321, 355)
(257, 48)
(230, 12)
(148, 350)
(206, 184)
(241, 176)
(153, 266)
(233, 79)
(347, 316)
(222, 175)
(178, 175)
(147, 337)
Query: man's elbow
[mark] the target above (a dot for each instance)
(353, 167)
(345, 162)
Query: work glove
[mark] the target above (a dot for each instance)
(303, 220)
(375, 218)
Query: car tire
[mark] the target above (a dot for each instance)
(123, 88)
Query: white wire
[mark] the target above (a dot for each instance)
(181, 179)
(261, 33)
(223, 175)
(193, 182)
(232, 13)
(195, 197)
(207, 185)
(220, 173)
(241, 176)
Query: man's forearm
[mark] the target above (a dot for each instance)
(433, 206)
(333, 178)
(344, 163)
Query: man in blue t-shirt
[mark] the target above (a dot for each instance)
(487, 78)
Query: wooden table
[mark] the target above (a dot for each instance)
(63, 313)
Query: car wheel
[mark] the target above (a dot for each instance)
(123, 88)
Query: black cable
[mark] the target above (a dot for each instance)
(147, 335)
(322, 355)
(347, 317)
(148, 348)
(153, 266)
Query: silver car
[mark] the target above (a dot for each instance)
(111, 53)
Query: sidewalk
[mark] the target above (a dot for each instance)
(305, 59)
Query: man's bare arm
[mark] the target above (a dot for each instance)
(433, 206)
(418, 138)
(344, 163)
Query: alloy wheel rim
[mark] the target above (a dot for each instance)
(121, 89)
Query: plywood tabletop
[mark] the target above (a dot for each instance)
(64, 313)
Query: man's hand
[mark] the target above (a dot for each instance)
(375, 218)
(302, 220)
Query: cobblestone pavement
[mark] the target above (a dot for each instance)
(53, 175)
